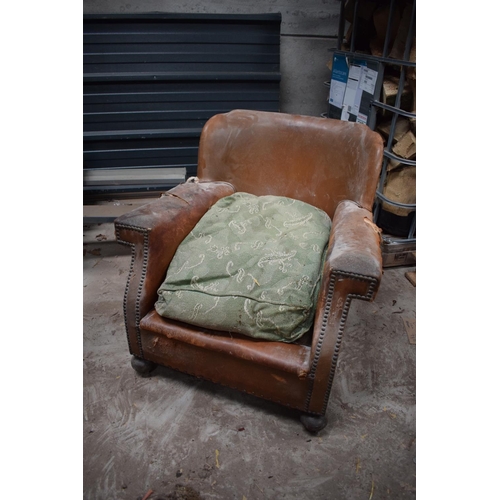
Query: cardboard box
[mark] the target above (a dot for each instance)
(355, 82)
(396, 253)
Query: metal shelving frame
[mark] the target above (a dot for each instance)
(376, 104)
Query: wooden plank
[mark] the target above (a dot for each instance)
(398, 254)
(406, 146)
(398, 47)
(412, 277)
(401, 128)
(401, 187)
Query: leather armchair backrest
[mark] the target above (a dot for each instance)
(320, 161)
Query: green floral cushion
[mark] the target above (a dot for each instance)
(252, 265)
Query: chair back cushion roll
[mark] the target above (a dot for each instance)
(316, 160)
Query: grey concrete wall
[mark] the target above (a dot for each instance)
(308, 30)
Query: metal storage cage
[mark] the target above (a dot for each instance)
(394, 53)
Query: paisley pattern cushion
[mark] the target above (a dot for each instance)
(252, 265)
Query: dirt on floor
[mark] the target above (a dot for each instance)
(172, 436)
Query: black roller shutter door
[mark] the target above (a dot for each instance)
(150, 82)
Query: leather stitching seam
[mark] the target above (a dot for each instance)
(334, 275)
(145, 234)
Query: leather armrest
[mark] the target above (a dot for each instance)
(187, 198)
(354, 246)
(154, 231)
(353, 269)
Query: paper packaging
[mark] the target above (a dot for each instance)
(398, 254)
(353, 86)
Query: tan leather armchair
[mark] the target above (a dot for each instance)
(331, 164)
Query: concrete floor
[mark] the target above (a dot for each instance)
(185, 438)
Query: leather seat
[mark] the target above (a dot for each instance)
(333, 165)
